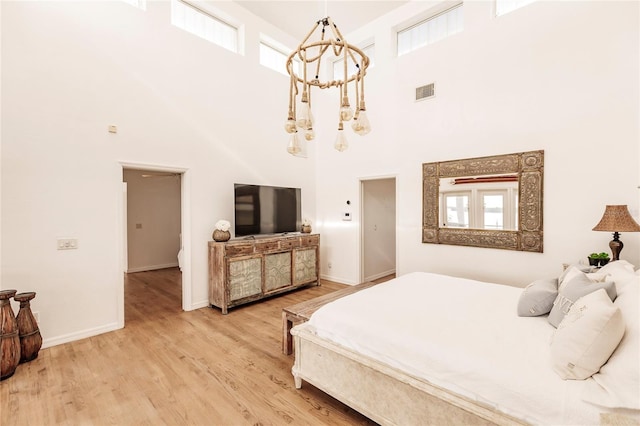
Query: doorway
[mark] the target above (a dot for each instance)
(378, 228)
(153, 219)
(155, 229)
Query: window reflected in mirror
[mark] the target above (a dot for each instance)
(474, 204)
(457, 209)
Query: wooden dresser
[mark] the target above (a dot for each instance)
(245, 270)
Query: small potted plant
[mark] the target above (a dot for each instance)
(603, 258)
(221, 233)
(306, 226)
(594, 259)
(598, 259)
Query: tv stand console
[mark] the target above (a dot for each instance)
(246, 270)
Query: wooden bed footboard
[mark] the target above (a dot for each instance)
(382, 393)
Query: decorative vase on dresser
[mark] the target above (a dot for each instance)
(221, 236)
(30, 338)
(9, 338)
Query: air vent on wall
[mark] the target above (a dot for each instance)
(425, 92)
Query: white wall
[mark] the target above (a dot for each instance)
(70, 69)
(153, 220)
(557, 76)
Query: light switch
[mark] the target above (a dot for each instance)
(67, 243)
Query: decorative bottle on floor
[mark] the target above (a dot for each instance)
(30, 338)
(9, 339)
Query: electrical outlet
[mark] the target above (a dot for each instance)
(329, 265)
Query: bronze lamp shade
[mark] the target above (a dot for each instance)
(617, 219)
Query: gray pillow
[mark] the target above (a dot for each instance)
(537, 298)
(579, 286)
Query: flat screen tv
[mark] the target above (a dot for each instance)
(261, 209)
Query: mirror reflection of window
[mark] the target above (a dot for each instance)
(457, 208)
(485, 203)
(493, 210)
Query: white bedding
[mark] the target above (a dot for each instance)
(462, 335)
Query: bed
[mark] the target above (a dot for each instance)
(433, 349)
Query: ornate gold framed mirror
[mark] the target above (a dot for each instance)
(493, 202)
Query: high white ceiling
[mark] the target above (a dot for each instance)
(298, 17)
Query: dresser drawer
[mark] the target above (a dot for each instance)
(289, 243)
(309, 240)
(238, 249)
(266, 246)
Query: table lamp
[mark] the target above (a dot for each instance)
(617, 219)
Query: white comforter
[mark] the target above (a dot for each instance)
(462, 335)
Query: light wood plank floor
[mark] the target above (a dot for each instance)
(173, 367)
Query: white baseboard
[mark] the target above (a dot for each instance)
(380, 275)
(198, 305)
(337, 279)
(152, 267)
(351, 282)
(83, 334)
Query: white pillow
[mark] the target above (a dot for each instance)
(578, 266)
(572, 291)
(620, 271)
(617, 385)
(573, 272)
(587, 336)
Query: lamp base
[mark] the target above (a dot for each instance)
(616, 246)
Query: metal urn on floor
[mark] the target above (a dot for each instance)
(30, 338)
(9, 339)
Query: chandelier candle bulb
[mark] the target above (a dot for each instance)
(306, 118)
(341, 140)
(294, 144)
(309, 134)
(361, 124)
(290, 125)
(346, 113)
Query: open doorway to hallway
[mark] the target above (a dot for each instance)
(153, 238)
(378, 228)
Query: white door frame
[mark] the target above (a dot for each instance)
(185, 229)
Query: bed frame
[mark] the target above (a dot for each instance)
(382, 393)
(389, 396)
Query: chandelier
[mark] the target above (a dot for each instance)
(309, 54)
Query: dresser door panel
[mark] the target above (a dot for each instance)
(245, 277)
(277, 271)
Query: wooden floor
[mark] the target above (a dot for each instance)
(173, 367)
